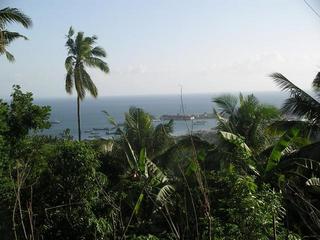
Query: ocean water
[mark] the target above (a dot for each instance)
(64, 110)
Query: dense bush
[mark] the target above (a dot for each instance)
(71, 188)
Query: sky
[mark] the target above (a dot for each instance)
(156, 46)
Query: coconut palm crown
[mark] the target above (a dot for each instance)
(245, 116)
(82, 53)
(7, 16)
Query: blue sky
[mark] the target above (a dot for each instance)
(154, 46)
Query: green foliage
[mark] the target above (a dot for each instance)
(69, 189)
(82, 53)
(301, 103)
(239, 142)
(244, 210)
(7, 16)
(150, 177)
(21, 156)
(148, 237)
(139, 136)
(18, 119)
(242, 152)
(245, 117)
(24, 116)
(140, 132)
(282, 144)
(158, 187)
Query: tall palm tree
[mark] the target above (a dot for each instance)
(82, 53)
(7, 16)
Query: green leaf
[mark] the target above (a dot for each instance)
(245, 151)
(163, 196)
(192, 167)
(283, 143)
(313, 182)
(237, 141)
(111, 119)
(138, 204)
(142, 162)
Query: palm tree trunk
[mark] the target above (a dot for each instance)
(78, 112)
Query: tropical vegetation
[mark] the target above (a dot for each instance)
(259, 179)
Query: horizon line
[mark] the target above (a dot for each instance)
(163, 94)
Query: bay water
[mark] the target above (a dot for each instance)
(63, 110)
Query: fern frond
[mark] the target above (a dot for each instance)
(164, 194)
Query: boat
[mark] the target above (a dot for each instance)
(55, 122)
(116, 132)
(199, 122)
(156, 120)
(177, 117)
(100, 129)
(181, 117)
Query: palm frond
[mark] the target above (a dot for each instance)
(10, 15)
(316, 83)
(303, 107)
(268, 112)
(226, 104)
(164, 194)
(138, 123)
(69, 62)
(88, 83)
(154, 171)
(7, 37)
(250, 100)
(286, 85)
(223, 123)
(300, 103)
(90, 40)
(164, 128)
(98, 52)
(69, 82)
(98, 63)
(9, 56)
(78, 42)
(70, 32)
(110, 119)
(70, 44)
(307, 129)
(79, 83)
(314, 182)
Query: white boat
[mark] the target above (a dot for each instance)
(199, 122)
(55, 122)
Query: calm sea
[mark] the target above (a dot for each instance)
(64, 110)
